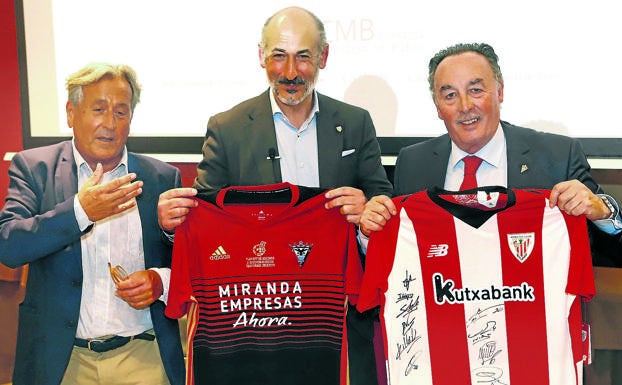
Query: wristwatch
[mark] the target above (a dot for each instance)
(612, 208)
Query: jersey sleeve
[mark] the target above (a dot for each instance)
(580, 271)
(180, 290)
(354, 268)
(379, 262)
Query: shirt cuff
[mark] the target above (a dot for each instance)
(169, 236)
(165, 276)
(362, 239)
(83, 220)
(612, 225)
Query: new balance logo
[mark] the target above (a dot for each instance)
(219, 254)
(438, 250)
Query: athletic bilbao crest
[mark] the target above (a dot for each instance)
(301, 251)
(521, 245)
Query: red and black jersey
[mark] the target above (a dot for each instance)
(264, 275)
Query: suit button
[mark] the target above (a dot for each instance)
(76, 283)
(71, 324)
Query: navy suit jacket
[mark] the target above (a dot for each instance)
(38, 227)
(238, 142)
(548, 158)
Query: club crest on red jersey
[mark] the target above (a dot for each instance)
(521, 245)
(301, 251)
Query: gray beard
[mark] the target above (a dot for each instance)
(289, 100)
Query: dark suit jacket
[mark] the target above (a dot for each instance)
(38, 227)
(238, 141)
(549, 159)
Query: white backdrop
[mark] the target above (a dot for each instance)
(195, 58)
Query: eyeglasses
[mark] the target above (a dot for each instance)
(117, 273)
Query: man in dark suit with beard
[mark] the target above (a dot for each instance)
(294, 134)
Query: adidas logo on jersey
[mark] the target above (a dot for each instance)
(438, 250)
(219, 254)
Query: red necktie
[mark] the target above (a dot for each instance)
(471, 164)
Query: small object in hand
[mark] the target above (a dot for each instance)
(117, 273)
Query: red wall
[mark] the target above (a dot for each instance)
(188, 172)
(10, 125)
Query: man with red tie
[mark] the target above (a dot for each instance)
(467, 88)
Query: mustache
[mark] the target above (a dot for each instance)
(465, 117)
(294, 81)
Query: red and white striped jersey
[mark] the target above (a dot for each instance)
(480, 287)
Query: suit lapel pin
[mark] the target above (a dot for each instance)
(523, 168)
(338, 128)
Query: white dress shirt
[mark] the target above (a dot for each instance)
(297, 147)
(118, 240)
(493, 172)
